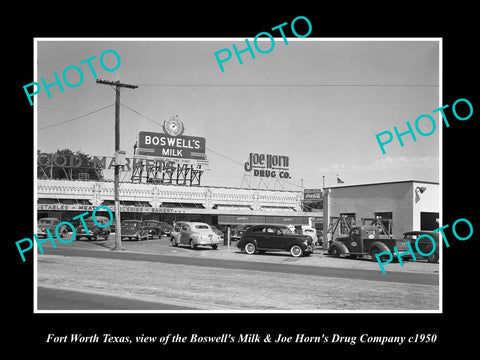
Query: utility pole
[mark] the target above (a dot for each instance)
(118, 225)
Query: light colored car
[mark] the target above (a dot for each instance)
(308, 230)
(177, 226)
(305, 230)
(196, 233)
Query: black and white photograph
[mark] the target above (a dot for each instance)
(284, 180)
(312, 161)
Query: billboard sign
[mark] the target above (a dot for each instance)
(312, 195)
(267, 165)
(166, 146)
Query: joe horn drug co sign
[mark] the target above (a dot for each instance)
(266, 165)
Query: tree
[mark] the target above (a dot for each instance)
(65, 164)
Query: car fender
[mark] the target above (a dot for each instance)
(340, 245)
(194, 238)
(295, 241)
(243, 241)
(380, 245)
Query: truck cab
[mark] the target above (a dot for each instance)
(366, 240)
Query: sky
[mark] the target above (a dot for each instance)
(318, 101)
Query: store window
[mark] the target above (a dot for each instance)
(429, 220)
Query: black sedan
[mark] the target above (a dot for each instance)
(264, 238)
(425, 244)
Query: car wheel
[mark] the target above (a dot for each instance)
(174, 242)
(214, 247)
(296, 251)
(95, 237)
(433, 258)
(335, 251)
(376, 251)
(192, 245)
(250, 248)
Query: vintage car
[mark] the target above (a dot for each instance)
(310, 231)
(133, 229)
(425, 244)
(166, 228)
(94, 231)
(264, 238)
(51, 224)
(153, 228)
(196, 233)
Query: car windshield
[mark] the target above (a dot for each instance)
(45, 222)
(202, 227)
(129, 224)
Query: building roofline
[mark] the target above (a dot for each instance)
(383, 183)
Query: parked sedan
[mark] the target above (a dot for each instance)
(425, 244)
(50, 224)
(196, 233)
(94, 231)
(153, 228)
(166, 228)
(133, 229)
(263, 238)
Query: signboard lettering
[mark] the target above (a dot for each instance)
(312, 194)
(267, 165)
(164, 145)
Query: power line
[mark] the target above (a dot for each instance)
(75, 118)
(296, 85)
(136, 112)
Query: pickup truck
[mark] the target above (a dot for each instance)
(367, 240)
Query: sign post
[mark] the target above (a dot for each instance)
(228, 238)
(118, 155)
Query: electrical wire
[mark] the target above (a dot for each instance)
(296, 85)
(75, 118)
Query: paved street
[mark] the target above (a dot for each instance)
(317, 269)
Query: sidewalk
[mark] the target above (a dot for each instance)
(319, 258)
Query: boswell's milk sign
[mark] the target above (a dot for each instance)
(172, 143)
(163, 145)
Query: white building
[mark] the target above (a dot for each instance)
(405, 205)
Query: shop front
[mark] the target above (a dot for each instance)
(65, 199)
